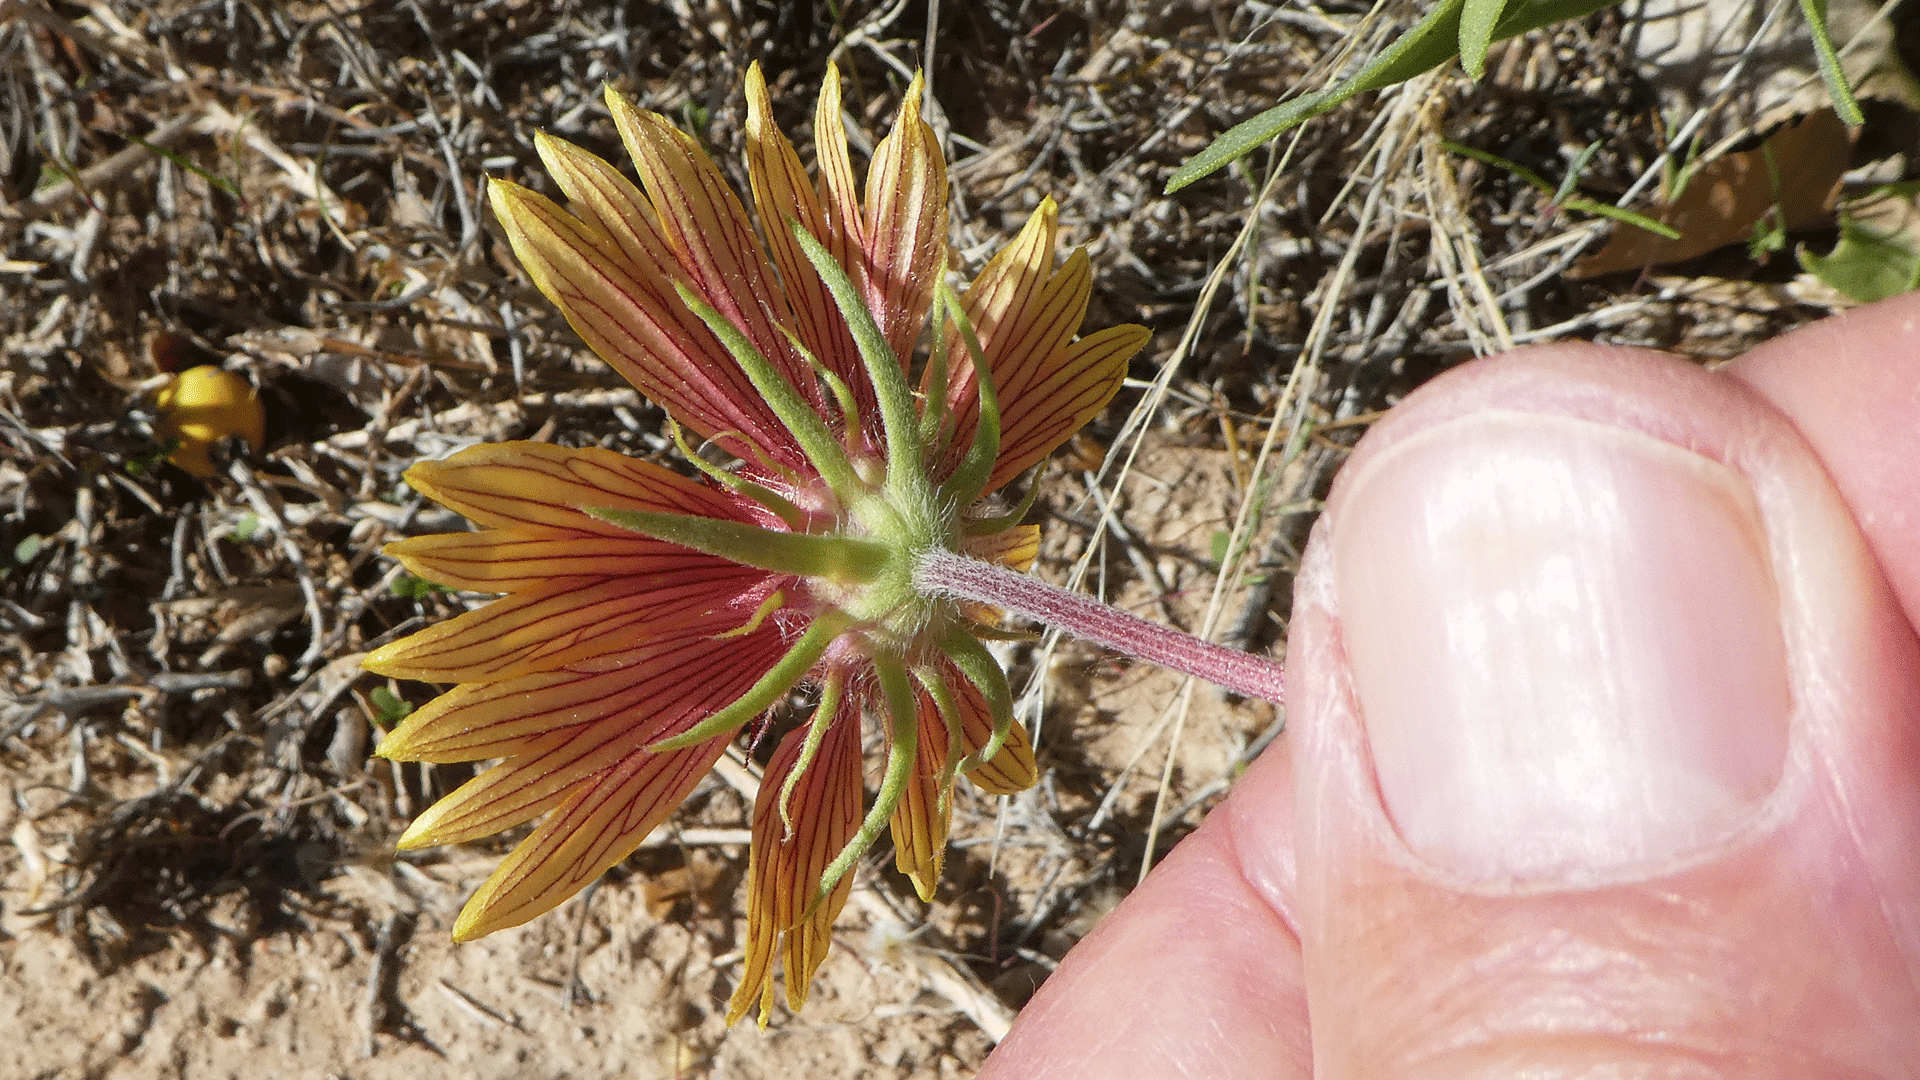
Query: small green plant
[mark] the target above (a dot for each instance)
(1866, 264)
(1463, 29)
(408, 587)
(389, 708)
(1565, 196)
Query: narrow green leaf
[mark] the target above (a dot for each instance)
(1477, 20)
(1498, 162)
(1432, 41)
(970, 477)
(823, 715)
(890, 388)
(1571, 181)
(903, 713)
(773, 501)
(837, 558)
(1607, 210)
(823, 451)
(1830, 70)
(220, 182)
(981, 669)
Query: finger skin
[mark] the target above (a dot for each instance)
(1851, 386)
(1789, 953)
(1197, 973)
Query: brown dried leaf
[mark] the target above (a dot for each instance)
(1729, 194)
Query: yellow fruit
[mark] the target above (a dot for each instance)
(203, 405)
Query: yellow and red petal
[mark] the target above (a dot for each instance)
(906, 225)
(784, 867)
(1014, 548)
(1026, 315)
(516, 484)
(630, 315)
(504, 560)
(563, 735)
(921, 820)
(782, 193)
(846, 235)
(549, 626)
(1012, 770)
(712, 240)
(596, 827)
(661, 685)
(1069, 391)
(602, 198)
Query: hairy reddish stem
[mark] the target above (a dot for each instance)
(943, 573)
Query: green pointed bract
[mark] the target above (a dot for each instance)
(766, 693)
(841, 559)
(823, 715)
(999, 523)
(787, 512)
(981, 669)
(890, 389)
(935, 414)
(898, 692)
(970, 478)
(842, 393)
(824, 451)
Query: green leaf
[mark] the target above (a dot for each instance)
(26, 549)
(837, 558)
(1477, 19)
(1432, 41)
(1866, 265)
(246, 528)
(1830, 71)
(389, 708)
(1560, 195)
(1628, 217)
(1499, 162)
(408, 587)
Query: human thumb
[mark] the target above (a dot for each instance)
(1609, 742)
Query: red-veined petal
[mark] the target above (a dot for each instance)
(784, 868)
(711, 238)
(661, 681)
(920, 822)
(1012, 770)
(846, 235)
(596, 827)
(781, 191)
(546, 627)
(630, 315)
(528, 483)
(906, 216)
(1071, 390)
(567, 733)
(507, 560)
(1014, 548)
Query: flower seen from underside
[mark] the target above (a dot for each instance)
(650, 615)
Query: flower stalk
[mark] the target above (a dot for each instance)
(945, 574)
